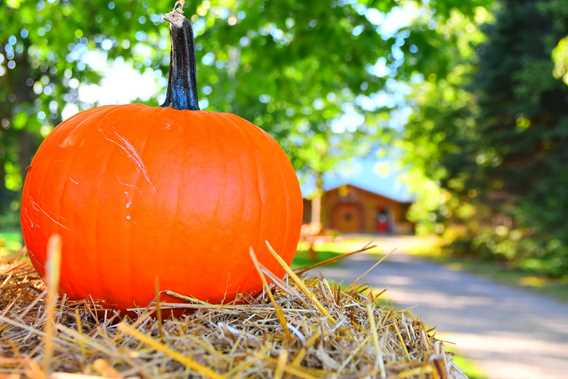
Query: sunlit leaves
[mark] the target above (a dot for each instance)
(492, 133)
(560, 58)
(289, 66)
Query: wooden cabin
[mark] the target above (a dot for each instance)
(351, 209)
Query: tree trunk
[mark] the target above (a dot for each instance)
(4, 193)
(316, 224)
(316, 204)
(27, 144)
(23, 142)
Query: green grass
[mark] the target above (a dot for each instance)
(469, 367)
(326, 250)
(10, 241)
(303, 259)
(338, 246)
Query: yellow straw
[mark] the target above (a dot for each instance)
(302, 353)
(373, 326)
(281, 365)
(277, 308)
(186, 361)
(296, 279)
(52, 277)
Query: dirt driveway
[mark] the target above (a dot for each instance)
(511, 333)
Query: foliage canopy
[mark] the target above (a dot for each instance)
(288, 66)
(493, 135)
(484, 141)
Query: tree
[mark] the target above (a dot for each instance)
(274, 63)
(283, 65)
(499, 123)
(524, 124)
(437, 140)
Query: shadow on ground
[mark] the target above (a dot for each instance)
(510, 332)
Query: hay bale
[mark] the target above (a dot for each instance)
(297, 327)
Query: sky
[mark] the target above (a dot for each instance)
(379, 175)
(122, 84)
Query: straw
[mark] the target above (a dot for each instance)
(277, 308)
(284, 331)
(52, 270)
(299, 282)
(186, 361)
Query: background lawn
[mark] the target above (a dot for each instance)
(10, 240)
(329, 249)
(303, 259)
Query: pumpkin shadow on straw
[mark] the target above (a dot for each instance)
(169, 304)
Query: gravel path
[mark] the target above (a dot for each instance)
(509, 332)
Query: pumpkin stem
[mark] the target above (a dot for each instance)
(182, 84)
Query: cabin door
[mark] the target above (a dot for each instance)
(347, 218)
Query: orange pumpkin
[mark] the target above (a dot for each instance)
(140, 193)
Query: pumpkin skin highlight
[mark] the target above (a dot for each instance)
(140, 193)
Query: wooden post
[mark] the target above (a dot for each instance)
(316, 226)
(317, 204)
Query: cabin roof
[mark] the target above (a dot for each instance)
(373, 193)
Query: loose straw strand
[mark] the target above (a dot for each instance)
(277, 308)
(296, 279)
(184, 360)
(379, 360)
(52, 270)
